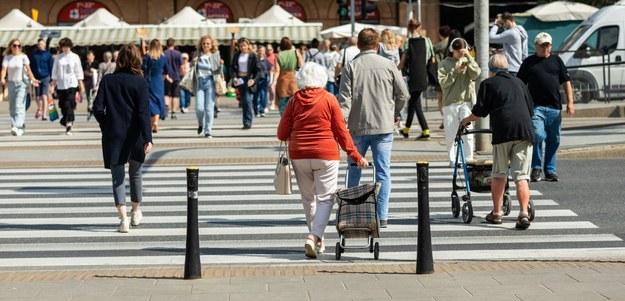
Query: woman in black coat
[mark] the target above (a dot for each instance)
(245, 74)
(123, 112)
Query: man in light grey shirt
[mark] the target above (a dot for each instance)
(514, 40)
(371, 94)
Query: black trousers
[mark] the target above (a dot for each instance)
(414, 106)
(67, 102)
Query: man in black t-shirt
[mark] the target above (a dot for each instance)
(544, 74)
(506, 99)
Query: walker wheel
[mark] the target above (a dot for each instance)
(455, 204)
(506, 204)
(338, 251)
(376, 251)
(531, 211)
(467, 213)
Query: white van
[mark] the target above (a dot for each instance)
(597, 46)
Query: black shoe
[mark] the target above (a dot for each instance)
(383, 223)
(535, 176)
(246, 127)
(200, 129)
(208, 136)
(423, 137)
(173, 116)
(405, 132)
(552, 177)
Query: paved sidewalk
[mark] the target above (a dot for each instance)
(451, 281)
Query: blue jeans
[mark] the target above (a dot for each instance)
(17, 103)
(547, 123)
(381, 146)
(205, 103)
(185, 98)
(332, 88)
(245, 93)
(260, 96)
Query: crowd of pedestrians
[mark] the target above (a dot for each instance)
(354, 97)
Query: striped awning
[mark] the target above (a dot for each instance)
(184, 34)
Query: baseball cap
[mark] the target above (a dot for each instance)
(543, 38)
(185, 55)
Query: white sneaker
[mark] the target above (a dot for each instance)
(124, 225)
(135, 217)
(15, 131)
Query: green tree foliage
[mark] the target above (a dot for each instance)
(595, 3)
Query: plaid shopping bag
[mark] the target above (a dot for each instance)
(357, 209)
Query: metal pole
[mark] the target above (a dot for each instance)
(480, 15)
(419, 10)
(425, 261)
(352, 11)
(192, 265)
(409, 12)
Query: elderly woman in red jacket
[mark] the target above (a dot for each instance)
(313, 124)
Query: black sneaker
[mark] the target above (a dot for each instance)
(200, 129)
(535, 176)
(552, 177)
(68, 130)
(423, 137)
(405, 132)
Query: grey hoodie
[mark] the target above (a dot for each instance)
(514, 42)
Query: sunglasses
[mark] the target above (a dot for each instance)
(16, 46)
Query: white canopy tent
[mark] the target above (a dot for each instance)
(345, 31)
(187, 16)
(561, 11)
(101, 18)
(17, 19)
(277, 14)
(17, 24)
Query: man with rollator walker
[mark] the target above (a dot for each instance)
(507, 100)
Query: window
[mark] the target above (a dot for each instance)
(604, 40)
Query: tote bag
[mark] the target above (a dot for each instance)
(282, 178)
(221, 87)
(188, 81)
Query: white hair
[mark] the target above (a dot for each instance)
(312, 75)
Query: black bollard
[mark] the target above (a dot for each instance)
(425, 261)
(192, 265)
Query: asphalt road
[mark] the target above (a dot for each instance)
(593, 189)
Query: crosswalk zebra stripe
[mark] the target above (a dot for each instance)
(297, 243)
(347, 258)
(181, 218)
(89, 231)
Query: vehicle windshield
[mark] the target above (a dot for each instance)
(573, 37)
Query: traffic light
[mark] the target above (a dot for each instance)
(343, 9)
(367, 8)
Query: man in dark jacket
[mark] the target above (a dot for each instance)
(507, 100)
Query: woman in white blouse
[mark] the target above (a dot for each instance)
(67, 75)
(13, 65)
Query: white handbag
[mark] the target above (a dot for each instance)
(282, 178)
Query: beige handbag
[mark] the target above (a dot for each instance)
(282, 178)
(221, 88)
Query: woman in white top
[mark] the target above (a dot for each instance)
(13, 65)
(67, 75)
(208, 63)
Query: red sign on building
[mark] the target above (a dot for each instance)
(77, 11)
(293, 8)
(215, 10)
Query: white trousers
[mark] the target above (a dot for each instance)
(452, 115)
(317, 181)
